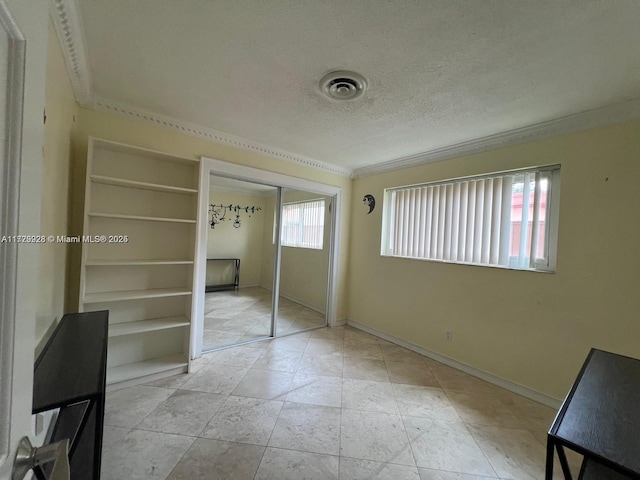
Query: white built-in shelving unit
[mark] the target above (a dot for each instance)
(145, 204)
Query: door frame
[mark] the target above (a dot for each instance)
(10, 168)
(211, 166)
(26, 23)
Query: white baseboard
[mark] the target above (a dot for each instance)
(302, 302)
(486, 376)
(340, 323)
(297, 300)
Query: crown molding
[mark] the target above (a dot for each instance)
(68, 24)
(616, 113)
(211, 134)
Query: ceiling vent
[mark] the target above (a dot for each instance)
(343, 85)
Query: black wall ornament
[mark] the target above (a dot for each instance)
(370, 202)
(218, 213)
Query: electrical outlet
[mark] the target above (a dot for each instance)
(448, 335)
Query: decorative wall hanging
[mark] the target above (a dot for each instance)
(370, 202)
(218, 213)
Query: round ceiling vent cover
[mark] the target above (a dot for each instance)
(343, 85)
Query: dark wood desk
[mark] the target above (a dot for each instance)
(600, 419)
(70, 374)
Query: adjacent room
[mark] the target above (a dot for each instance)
(326, 240)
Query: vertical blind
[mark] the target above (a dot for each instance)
(491, 220)
(303, 224)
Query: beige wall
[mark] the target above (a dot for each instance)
(120, 129)
(245, 243)
(533, 329)
(59, 129)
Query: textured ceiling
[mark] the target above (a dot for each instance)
(439, 72)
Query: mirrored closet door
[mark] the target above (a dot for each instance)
(271, 247)
(304, 261)
(239, 265)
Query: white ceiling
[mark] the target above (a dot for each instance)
(439, 72)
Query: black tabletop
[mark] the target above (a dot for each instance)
(601, 414)
(72, 364)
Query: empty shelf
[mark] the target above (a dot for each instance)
(129, 328)
(118, 263)
(134, 294)
(130, 371)
(120, 182)
(139, 217)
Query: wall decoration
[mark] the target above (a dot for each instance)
(370, 202)
(218, 213)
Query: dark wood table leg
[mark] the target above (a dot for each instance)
(563, 462)
(548, 475)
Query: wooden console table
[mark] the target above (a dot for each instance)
(236, 275)
(70, 374)
(599, 419)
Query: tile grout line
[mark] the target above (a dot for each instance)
(404, 426)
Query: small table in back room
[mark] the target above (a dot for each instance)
(600, 419)
(236, 275)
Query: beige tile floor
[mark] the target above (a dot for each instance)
(233, 317)
(325, 404)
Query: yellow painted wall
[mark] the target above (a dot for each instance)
(245, 242)
(121, 129)
(531, 328)
(59, 129)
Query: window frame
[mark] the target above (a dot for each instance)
(546, 264)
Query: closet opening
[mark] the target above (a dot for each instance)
(265, 256)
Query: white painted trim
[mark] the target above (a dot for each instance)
(598, 117)
(209, 166)
(256, 175)
(10, 168)
(463, 367)
(200, 264)
(164, 121)
(69, 27)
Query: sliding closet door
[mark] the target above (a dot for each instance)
(240, 263)
(304, 261)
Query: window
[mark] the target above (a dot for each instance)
(303, 224)
(506, 219)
